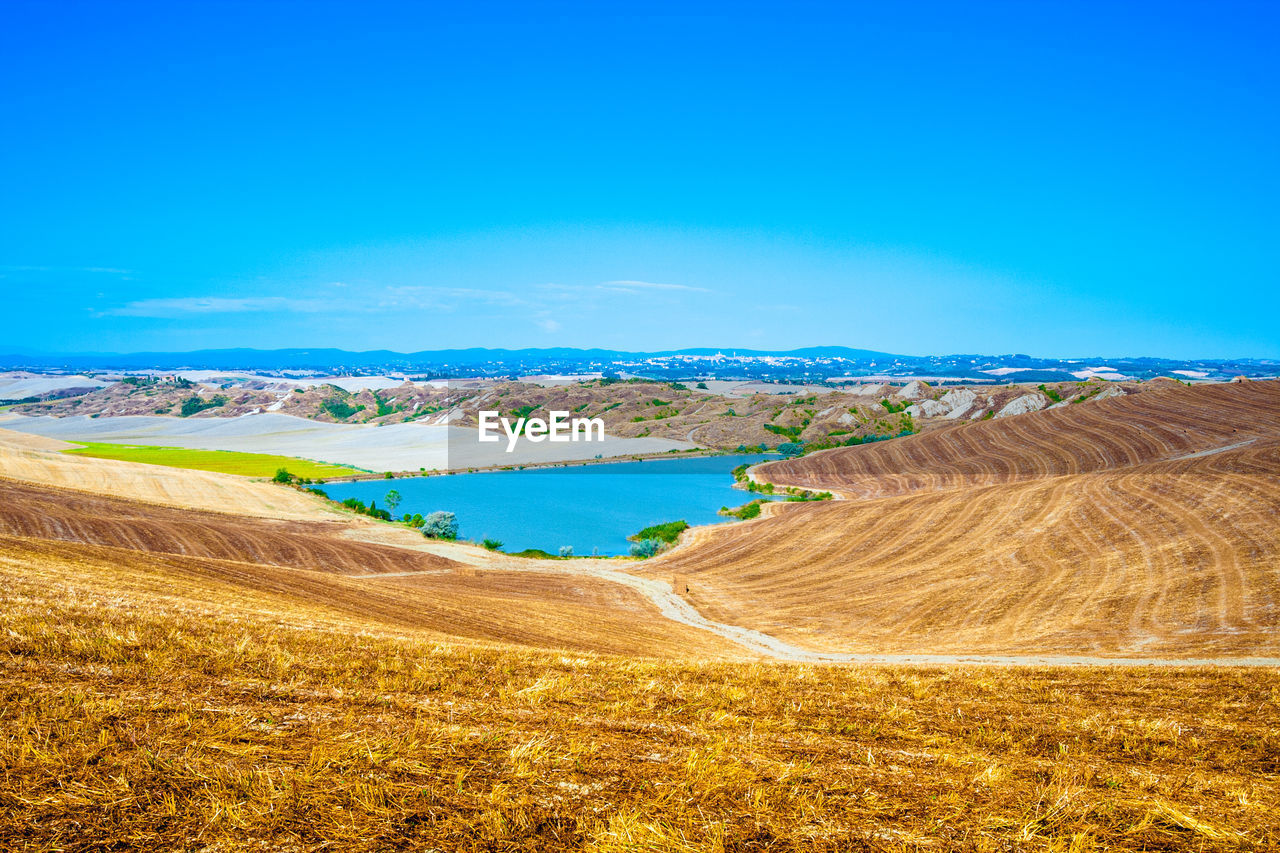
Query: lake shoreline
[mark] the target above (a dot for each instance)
(586, 506)
(666, 456)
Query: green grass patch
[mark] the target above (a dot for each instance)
(221, 461)
(791, 432)
(339, 408)
(668, 532)
(1051, 393)
(750, 509)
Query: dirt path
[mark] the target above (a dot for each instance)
(671, 606)
(1214, 450)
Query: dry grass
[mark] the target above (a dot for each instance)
(72, 516)
(230, 562)
(1054, 532)
(34, 459)
(147, 707)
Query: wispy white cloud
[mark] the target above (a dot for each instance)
(351, 301)
(182, 306)
(341, 298)
(633, 286)
(431, 296)
(99, 270)
(615, 288)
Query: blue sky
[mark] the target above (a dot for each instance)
(1063, 179)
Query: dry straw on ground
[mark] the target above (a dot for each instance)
(147, 710)
(1137, 526)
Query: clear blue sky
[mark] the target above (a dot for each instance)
(1063, 179)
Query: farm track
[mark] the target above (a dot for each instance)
(1138, 527)
(455, 605)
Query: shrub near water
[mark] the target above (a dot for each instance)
(646, 548)
(667, 532)
(751, 509)
(440, 525)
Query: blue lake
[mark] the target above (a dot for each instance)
(593, 508)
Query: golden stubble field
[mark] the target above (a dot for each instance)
(226, 665)
(1144, 526)
(148, 709)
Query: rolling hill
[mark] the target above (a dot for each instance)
(1142, 525)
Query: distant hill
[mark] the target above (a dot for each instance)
(331, 358)
(806, 364)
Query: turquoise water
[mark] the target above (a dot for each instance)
(593, 508)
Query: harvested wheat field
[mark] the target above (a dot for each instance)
(1105, 435)
(1143, 526)
(35, 459)
(181, 676)
(314, 563)
(161, 702)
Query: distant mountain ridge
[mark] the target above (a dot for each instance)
(298, 358)
(814, 363)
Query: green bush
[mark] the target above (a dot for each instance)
(440, 525)
(667, 532)
(496, 545)
(339, 408)
(645, 548)
(751, 509)
(195, 403)
(792, 432)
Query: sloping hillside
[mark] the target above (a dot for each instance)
(44, 513)
(1142, 526)
(318, 564)
(34, 459)
(1161, 423)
